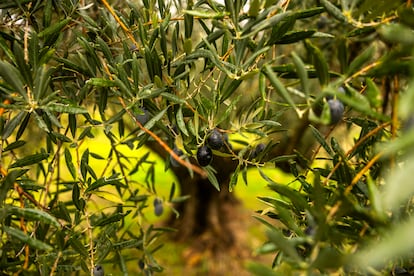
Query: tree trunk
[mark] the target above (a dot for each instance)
(207, 212)
(213, 222)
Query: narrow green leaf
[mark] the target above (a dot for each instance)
(233, 179)
(62, 108)
(172, 192)
(116, 117)
(12, 124)
(79, 203)
(266, 23)
(284, 244)
(321, 140)
(103, 181)
(40, 122)
(6, 48)
(373, 93)
(188, 23)
(298, 201)
(111, 219)
(63, 138)
(24, 69)
(25, 238)
(34, 215)
(172, 97)
(101, 82)
(12, 77)
(206, 13)
(132, 243)
(105, 49)
(319, 62)
(281, 29)
(302, 73)
(30, 160)
(23, 126)
(266, 223)
(212, 177)
(180, 121)
(14, 145)
(41, 81)
(360, 60)
(7, 183)
(279, 87)
(308, 12)
(333, 10)
(72, 124)
(295, 36)
(69, 163)
(54, 28)
(229, 89)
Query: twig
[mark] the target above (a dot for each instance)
(123, 27)
(189, 165)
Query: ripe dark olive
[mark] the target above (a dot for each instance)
(204, 156)
(257, 150)
(215, 140)
(336, 108)
(144, 116)
(141, 264)
(158, 208)
(98, 271)
(310, 231)
(174, 162)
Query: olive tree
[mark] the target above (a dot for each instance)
(188, 80)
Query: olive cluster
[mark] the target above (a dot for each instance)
(215, 141)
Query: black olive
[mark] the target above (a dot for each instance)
(257, 150)
(144, 116)
(158, 208)
(174, 162)
(98, 271)
(204, 156)
(215, 140)
(141, 264)
(336, 108)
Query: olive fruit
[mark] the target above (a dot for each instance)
(310, 231)
(215, 140)
(336, 108)
(144, 116)
(98, 271)
(158, 208)
(141, 264)
(204, 156)
(174, 162)
(257, 150)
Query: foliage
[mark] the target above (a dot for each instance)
(170, 72)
